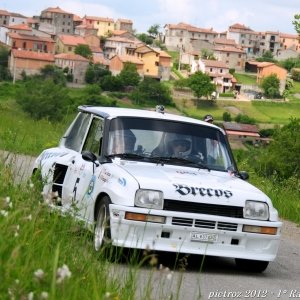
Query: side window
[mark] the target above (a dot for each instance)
(77, 131)
(94, 137)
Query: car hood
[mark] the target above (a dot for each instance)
(193, 184)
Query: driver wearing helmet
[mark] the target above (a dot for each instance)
(177, 144)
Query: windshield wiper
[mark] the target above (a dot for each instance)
(125, 155)
(182, 160)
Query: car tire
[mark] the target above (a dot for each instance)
(102, 224)
(253, 266)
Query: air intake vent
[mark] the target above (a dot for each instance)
(204, 208)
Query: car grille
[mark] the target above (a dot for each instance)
(204, 224)
(204, 208)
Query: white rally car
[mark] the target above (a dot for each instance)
(153, 180)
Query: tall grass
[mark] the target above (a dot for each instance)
(44, 255)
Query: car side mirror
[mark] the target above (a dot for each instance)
(244, 175)
(90, 156)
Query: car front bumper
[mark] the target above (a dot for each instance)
(231, 241)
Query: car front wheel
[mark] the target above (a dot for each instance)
(102, 226)
(255, 266)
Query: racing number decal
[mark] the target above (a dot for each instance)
(75, 190)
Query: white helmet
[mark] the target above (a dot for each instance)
(172, 140)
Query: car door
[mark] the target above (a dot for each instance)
(81, 176)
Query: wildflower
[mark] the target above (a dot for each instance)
(17, 281)
(62, 273)
(39, 274)
(31, 185)
(44, 295)
(4, 213)
(30, 296)
(7, 200)
(16, 234)
(10, 205)
(170, 275)
(107, 295)
(29, 218)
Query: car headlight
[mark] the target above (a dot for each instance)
(256, 210)
(149, 199)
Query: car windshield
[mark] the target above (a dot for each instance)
(169, 142)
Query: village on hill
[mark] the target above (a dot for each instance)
(52, 36)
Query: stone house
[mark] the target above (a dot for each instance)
(76, 64)
(119, 45)
(56, 20)
(218, 72)
(124, 24)
(10, 18)
(29, 62)
(181, 36)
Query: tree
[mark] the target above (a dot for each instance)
(270, 85)
(4, 71)
(201, 85)
(83, 50)
(152, 91)
(95, 72)
(206, 54)
(296, 23)
(43, 99)
(226, 116)
(282, 156)
(54, 73)
(129, 75)
(154, 30)
(143, 37)
(267, 56)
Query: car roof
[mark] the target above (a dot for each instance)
(113, 112)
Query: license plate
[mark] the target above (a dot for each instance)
(204, 237)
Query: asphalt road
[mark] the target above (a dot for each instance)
(217, 278)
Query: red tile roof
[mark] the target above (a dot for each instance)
(229, 49)
(125, 21)
(239, 26)
(224, 41)
(19, 36)
(240, 127)
(4, 12)
(289, 36)
(188, 27)
(164, 54)
(20, 27)
(108, 20)
(96, 49)
(57, 10)
(129, 58)
(71, 56)
(76, 18)
(100, 60)
(32, 21)
(72, 40)
(214, 64)
(33, 55)
(119, 32)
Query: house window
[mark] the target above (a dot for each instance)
(180, 40)
(24, 45)
(108, 24)
(63, 23)
(221, 70)
(156, 63)
(13, 19)
(239, 63)
(240, 55)
(211, 69)
(243, 42)
(147, 70)
(69, 23)
(14, 44)
(227, 54)
(63, 30)
(69, 48)
(227, 61)
(97, 22)
(68, 30)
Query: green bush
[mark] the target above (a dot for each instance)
(296, 74)
(282, 157)
(244, 119)
(227, 117)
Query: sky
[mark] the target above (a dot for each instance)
(259, 15)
